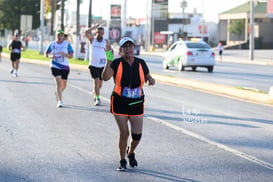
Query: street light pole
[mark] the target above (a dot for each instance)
(183, 5)
(42, 2)
(124, 18)
(76, 55)
(251, 32)
(62, 15)
(148, 24)
(90, 14)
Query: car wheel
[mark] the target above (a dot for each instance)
(193, 68)
(165, 66)
(210, 69)
(180, 66)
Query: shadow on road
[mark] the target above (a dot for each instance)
(162, 176)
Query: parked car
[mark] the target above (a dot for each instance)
(190, 53)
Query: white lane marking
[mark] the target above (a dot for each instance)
(219, 145)
(87, 91)
(199, 137)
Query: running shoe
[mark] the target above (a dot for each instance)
(11, 71)
(59, 104)
(97, 102)
(122, 166)
(15, 74)
(132, 159)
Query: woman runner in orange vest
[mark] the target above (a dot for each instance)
(129, 73)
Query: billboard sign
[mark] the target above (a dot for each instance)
(161, 1)
(159, 38)
(115, 11)
(269, 8)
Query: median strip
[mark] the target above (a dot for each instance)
(222, 90)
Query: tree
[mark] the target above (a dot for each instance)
(237, 27)
(181, 34)
(11, 11)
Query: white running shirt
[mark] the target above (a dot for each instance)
(60, 61)
(97, 57)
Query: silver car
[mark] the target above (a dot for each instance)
(190, 53)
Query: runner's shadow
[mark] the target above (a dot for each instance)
(26, 82)
(163, 176)
(83, 108)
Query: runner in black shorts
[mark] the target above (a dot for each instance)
(59, 51)
(127, 99)
(15, 46)
(97, 58)
(95, 72)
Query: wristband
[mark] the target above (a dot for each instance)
(109, 55)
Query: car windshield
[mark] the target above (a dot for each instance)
(197, 45)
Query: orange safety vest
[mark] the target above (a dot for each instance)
(118, 88)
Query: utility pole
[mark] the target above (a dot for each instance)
(42, 3)
(53, 10)
(251, 32)
(148, 24)
(124, 19)
(183, 5)
(90, 14)
(62, 15)
(76, 55)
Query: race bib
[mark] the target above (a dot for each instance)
(59, 57)
(131, 93)
(102, 61)
(16, 50)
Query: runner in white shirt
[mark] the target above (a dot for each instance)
(97, 58)
(59, 51)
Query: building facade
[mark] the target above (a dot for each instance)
(263, 26)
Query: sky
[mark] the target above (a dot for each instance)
(138, 8)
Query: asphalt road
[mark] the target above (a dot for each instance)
(188, 135)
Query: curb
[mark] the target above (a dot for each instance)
(222, 90)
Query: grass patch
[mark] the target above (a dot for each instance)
(252, 89)
(35, 55)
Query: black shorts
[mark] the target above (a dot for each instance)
(15, 56)
(1, 48)
(96, 72)
(57, 72)
(126, 106)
